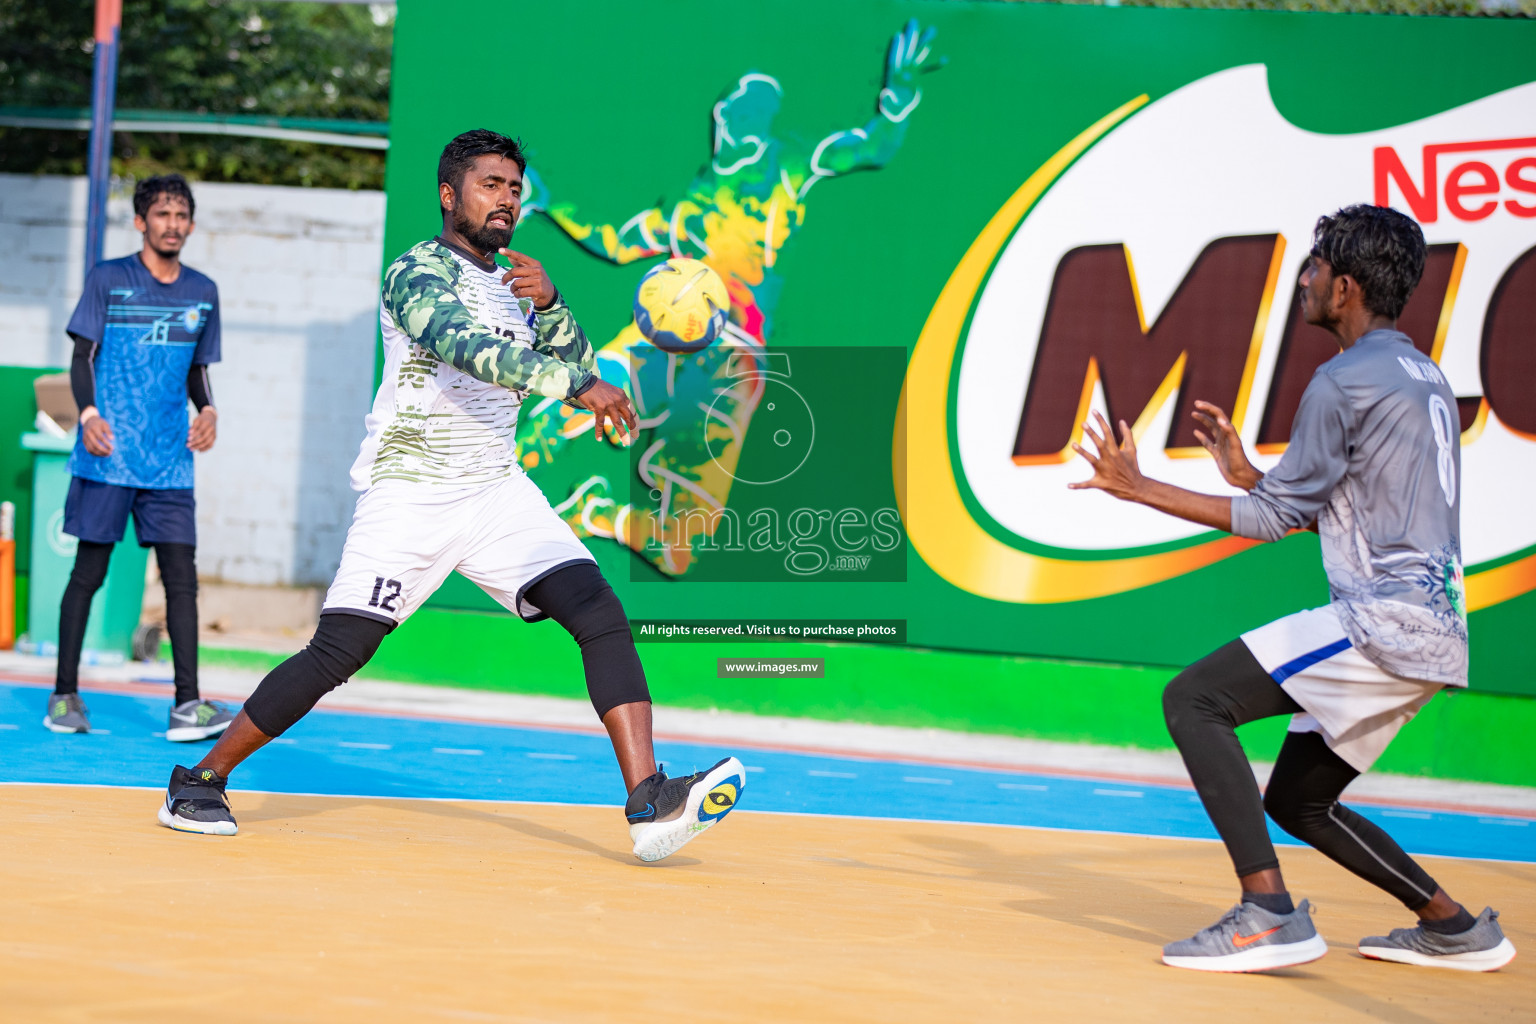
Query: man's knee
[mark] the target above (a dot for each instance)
(91, 562)
(1292, 811)
(342, 644)
(178, 568)
(584, 604)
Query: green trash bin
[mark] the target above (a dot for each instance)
(117, 605)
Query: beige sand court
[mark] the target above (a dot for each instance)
(342, 909)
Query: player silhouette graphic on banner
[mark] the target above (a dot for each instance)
(736, 216)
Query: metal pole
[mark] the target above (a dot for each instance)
(109, 17)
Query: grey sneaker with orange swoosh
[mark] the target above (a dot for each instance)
(1250, 938)
(1482, 947)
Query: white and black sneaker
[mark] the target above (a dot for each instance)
(198, 720)
(195, 802)
(665, 813)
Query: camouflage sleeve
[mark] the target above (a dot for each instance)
(420, 294)
(559, 335)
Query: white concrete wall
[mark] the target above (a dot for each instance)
(298, 276)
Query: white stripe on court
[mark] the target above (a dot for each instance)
(1023, 785)
(1118, 792)
(552, 757)
(831, 775)
(467, 752)
(364, 746)
(924, 780)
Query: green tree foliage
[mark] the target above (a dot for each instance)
(308, 60)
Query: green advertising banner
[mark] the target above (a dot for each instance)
(949, 231)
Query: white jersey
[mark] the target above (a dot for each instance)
(431, 422)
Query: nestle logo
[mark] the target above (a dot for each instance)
(1473, 188)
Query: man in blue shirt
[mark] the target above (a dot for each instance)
(145, 330)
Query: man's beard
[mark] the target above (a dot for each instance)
(483, 237)
(164, 251)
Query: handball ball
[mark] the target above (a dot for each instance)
(681, 305)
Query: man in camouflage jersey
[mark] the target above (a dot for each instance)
(464, 343)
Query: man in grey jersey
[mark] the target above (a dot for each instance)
(1374, 466)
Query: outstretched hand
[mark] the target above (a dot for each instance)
(611, 406)
(1114, 465)
(1221, 440)
(907, 55)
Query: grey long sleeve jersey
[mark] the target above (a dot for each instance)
(1375, 458)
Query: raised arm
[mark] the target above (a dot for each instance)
(422, 300)
(641, 237)
(557, 334)
(872, 145)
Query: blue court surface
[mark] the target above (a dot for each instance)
(397, 756)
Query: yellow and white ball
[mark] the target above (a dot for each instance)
(681, 305)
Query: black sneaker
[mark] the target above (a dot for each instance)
(195, 802)
(66, 713)
(665, 813)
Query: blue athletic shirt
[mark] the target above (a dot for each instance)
(148, 335)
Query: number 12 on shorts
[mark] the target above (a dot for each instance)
(385, 598)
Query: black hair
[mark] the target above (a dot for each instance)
(146, 192)
(1383, 250)
(460, 153)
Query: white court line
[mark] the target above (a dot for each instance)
(1406, 814)
(8, 725)
(364, 746)
(832, 775)
(552, 757)
(467, 752)
(283, 740)
(1118, 792)
(1022, 785)
(924, 780)
(755, 768)
(1518, 823)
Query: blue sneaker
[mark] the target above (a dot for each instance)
(665, 813)
(1250, 938)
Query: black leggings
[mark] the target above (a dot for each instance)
(1203, 705)
(576, 596)
(178, 571)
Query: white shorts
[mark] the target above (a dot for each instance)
(1357, 706)
(406, 538)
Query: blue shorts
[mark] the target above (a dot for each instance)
(98, 513)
